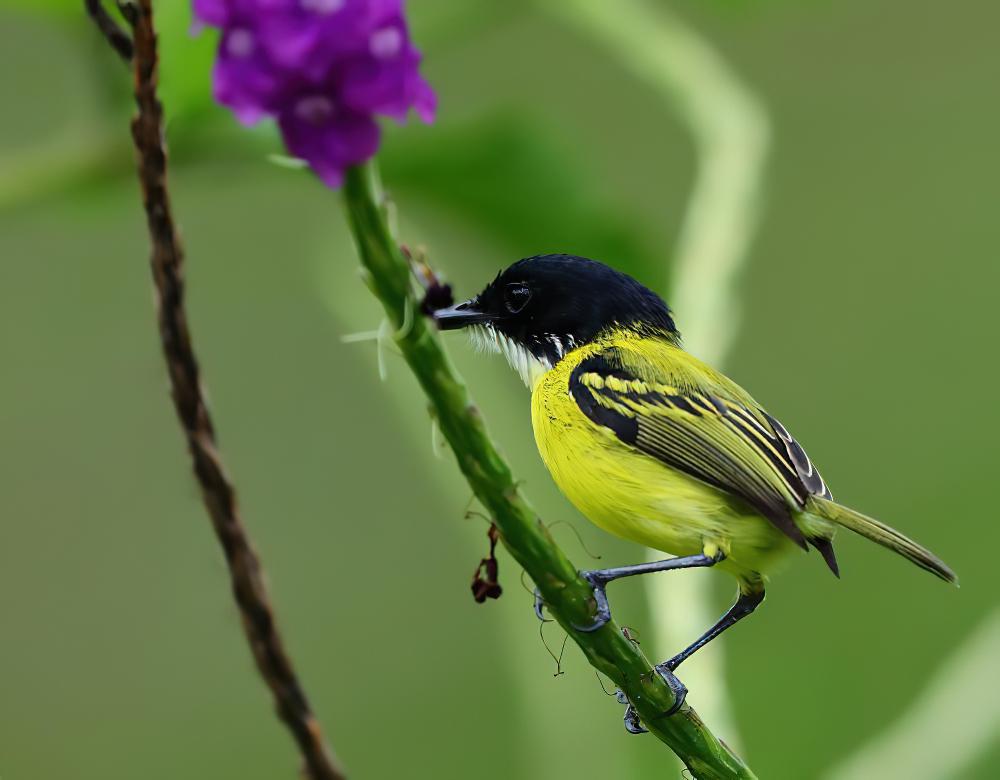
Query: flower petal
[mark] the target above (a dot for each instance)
(324, 68)
(212, 12)
(424, 101)
(328, 137)
(243, 77)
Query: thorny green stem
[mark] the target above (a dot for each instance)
(567, 595)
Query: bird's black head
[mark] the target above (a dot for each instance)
(542, 307)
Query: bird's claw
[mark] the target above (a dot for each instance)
(632, 723)
(603, 614)
(677, 688)
(539, 605)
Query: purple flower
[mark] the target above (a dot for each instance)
(323, 68)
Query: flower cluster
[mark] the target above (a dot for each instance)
(322, 68)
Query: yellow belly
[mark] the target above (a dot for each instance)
(639, 498)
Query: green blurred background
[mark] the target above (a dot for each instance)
(869, 317)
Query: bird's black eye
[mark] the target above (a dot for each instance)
(516, 297)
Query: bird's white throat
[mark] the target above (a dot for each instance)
(521, 359)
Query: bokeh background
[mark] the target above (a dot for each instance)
(868, 323)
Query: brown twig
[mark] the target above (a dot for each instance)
(118, 39)
(218, 492)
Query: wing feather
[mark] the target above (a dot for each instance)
(719, 437)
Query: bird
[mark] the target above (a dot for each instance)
(651, 444)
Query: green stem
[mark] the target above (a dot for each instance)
(567, 596)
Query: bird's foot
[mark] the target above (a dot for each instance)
(632, 723)
(677, 688)
(603, 615)
(539, 605)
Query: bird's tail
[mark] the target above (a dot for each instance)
(881, 534)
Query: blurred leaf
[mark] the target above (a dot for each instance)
(56, 7)
(434, 25)
(185, 59)
(524, 184)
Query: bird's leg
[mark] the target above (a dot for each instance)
(599, 579)
(746, 603)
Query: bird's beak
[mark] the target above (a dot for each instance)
(461, 315)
